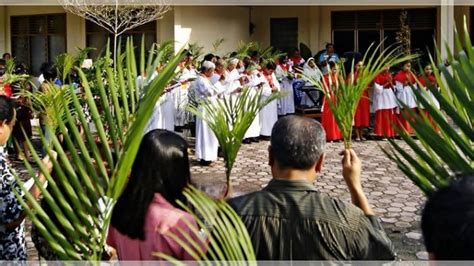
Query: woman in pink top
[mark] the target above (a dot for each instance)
(146, 213)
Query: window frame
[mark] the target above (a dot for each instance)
(46, 34)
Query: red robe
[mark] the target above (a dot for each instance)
(362, 115)
(406, 78)
(327, 118)
(385, 119)
(297, 60)
(431, 80)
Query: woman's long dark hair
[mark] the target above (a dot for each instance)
(161, 166)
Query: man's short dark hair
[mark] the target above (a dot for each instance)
(448, 221)
(329, 44)
(297, 142)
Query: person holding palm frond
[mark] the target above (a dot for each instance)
(331, 81)
(253, 80)
(206, 141)
(285, 75)
(405, 82)
(269, 114)
(362, 115)
(385, 104)
(426, 80)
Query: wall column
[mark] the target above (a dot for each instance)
(447, 24)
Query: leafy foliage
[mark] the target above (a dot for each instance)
(343, 94)
(439, 157)
(227, 236)
(229, 118)
(91, 170)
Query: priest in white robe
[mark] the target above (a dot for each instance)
(269, 113)
(206, 142)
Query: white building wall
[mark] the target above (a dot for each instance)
(205, 24)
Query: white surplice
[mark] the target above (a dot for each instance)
(269, 113)
(405, 94)
(206, 142)
(383, 98)
(286, 105)
(254, 130)
(181, 97)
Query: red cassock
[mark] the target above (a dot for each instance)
(362, 115)
(406, 78)
(327, 118)
(424, 82)
(7, 90)
(385, 118)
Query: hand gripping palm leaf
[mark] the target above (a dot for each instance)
(343, 94)
(229, 118)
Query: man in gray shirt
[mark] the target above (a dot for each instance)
(290, 220)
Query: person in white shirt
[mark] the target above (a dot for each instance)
(254, 81)
(269, 113)
(206, 142)
(284, 75)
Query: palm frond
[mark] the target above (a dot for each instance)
(216, 44)
(344, 94)
(220, 235)
(444, 152)
(229, 118)
(91, 169)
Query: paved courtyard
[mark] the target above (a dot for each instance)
(394, 198)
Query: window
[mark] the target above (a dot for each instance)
(284, 34)
(96, 37)
(38, 39)
(357, 30)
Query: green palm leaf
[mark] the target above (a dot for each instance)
(344, 94)
(440, 156)
(229, 118)
(91, 169)
(226, 237)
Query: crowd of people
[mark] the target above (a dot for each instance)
(288, 219)
(388, 97)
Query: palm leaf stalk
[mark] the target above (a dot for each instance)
(441, 156)
(344, 94)
(229, 118)
(90, 170)
(220, 235)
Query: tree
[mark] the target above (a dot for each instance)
(117, 16)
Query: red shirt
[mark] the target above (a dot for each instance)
(385, 79)
(406, 78)
(297, 60)
(431, 80)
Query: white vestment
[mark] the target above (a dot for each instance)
(254, 129)
(405, 94)
(287, 103)
(383, 98)
(181, 97)
(206, 141)
(269, 113)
